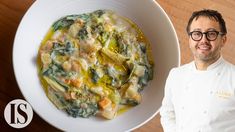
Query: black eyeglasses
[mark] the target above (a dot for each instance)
(210, 35)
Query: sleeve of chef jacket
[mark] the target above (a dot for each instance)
(167, 109)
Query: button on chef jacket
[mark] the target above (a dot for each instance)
(200, 101)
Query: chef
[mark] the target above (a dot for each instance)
(200, 96)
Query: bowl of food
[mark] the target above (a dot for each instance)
(95, 65)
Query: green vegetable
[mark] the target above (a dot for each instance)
(123, 47)
(57, 98)
(84, 106)
(65, 49)
(82, 34)
(84, 17)
(81, 109)
(115, 96)
(143, 47)
(99, 13)
(54, 84)
(148, 75)
(104, 38)
(94, 75)
(54, 70)
(97, 28)
(64, 22)
(117, 58)
(128, 101)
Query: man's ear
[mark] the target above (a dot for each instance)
(224, 40)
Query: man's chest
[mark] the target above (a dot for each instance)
(203, 98)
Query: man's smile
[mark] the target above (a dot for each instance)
(204, 47)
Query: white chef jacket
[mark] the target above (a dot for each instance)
(200, 101)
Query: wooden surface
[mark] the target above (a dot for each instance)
(11, 12)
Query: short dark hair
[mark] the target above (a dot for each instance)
(212, 14)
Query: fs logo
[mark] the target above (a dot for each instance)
(18, 113)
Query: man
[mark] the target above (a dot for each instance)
(200, 96)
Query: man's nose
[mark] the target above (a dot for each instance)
(204, 38)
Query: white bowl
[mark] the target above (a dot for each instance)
(147, 14)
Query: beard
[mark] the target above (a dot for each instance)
(207, 56)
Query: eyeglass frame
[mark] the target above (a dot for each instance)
(206, 33)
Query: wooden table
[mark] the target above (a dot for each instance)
(11, 12)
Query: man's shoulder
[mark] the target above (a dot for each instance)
(230, 65)
(183, 68)
(178, 73)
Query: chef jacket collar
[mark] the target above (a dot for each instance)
(211, 66)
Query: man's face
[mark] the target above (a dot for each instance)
(205, 50)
